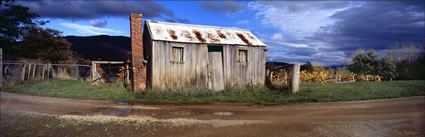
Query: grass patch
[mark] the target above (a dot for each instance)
(72, 89)
(254, 94)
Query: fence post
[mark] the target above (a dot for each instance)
(336, 79)
(91, 74)
(77, 72)
(127, 72)
(23, 71)
(1, 67)
(33, 71)
(43, 71)
(29, 71)
(339, 78)
(295, 78)
(93, 70)
(48, 73)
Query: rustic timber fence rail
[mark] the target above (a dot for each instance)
(15, 72)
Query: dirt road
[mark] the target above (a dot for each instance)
(387, 117)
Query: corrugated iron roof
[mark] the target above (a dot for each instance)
(189, 33)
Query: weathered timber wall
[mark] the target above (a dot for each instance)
(147, 52)
(252, 72)
(193, 71)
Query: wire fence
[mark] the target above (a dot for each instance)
(16, 72)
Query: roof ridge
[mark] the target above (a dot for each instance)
(196, 25)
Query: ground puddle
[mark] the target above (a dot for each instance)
(122, 103)
(114, 112)
(224, 113)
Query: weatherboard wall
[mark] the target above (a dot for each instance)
(167, 74)
(193, 71)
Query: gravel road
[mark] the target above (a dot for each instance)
(386, 117)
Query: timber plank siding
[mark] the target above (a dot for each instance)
(176, 64)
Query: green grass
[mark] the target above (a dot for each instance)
(72, 89)
(254, 94)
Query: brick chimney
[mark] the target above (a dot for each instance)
(138, 68)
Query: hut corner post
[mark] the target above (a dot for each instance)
(138, 68)
(295, 78)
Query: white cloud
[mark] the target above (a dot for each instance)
(98, 23)
(295, 23)
(297, 19)
(278, 39)
(242, 22)
(89, 29)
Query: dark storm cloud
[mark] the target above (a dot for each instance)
(375, 25)
(96, 9)
(226, 6)
(182, 20)
(178, 20)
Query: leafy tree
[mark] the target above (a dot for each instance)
(364, 62)
(307, 66)
(12, 20)
(409, 64)
(46, 44)
(386, 68)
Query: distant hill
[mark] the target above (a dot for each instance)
(277, 63)
(102, 47)
(337, 66)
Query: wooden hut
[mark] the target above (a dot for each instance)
(197, 56)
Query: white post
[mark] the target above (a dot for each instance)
(93, 71)
(33, 71)
(295, 78)
(43, 71)
(23, 72)
(29, 71)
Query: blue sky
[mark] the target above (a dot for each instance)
(326, 32)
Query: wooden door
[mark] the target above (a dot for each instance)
(215, 68)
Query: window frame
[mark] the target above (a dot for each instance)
(172, 59)
(246, 56)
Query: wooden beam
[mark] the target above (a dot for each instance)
(107, 62)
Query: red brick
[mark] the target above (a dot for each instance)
(138, 67)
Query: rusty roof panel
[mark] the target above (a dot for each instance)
(244, 39)
(201, 34)
(172, 34)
